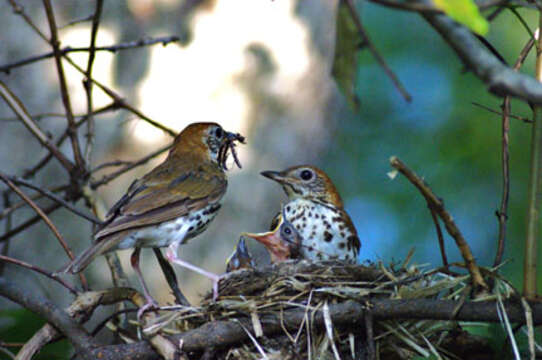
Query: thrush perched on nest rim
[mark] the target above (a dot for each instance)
(171, 204)
(315, 209)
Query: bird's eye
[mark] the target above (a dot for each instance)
(287, 230)
(306, 175)
(219, 133)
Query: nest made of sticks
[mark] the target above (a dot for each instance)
(276, 306)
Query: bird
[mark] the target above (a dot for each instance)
(316, 210)
(171, 204)
(283, 242)
(240, 257)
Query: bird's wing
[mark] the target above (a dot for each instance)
(161, 196)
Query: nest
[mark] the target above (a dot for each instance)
(276, 307)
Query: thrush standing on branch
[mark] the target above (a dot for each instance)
(173, 203)
(315, 209)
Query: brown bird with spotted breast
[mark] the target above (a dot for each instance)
(171, 204)
(315, 208)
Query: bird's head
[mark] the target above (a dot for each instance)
(209, 141)
(306, 182)
(283, 242)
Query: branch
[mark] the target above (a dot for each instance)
(164, 40)
(436, 204)
(501, 80)
(28, 223)
(53, 197)
(72, 128)
(107, 178)
(81, 309)
(88, 84)
(534, 190)
(75, 333)
(367, 40)
(38, 270)
(219, 334)
(18, 108)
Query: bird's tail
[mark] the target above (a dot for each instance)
(85, 258)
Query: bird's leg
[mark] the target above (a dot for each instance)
(150, 302)
(171, 255)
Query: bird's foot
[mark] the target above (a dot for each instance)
(151, 304)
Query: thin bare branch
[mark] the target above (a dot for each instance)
(88, 84)
(524, 119)
(104, 180)
(7, 259)
(72, 128)
(502, 213)
(439, 235)
(8, 235)
(18, 108)
(534, 198)
(52, 196)
(367, 40)
(164, 40)
(19, 10)
(10, 209)
(451, 227)
(32, 171)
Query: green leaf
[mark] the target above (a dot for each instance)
(464, 12)
(346, 56)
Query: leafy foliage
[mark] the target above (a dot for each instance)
(465, 12)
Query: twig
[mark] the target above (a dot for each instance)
(88, 84)
(502, 213)
(75, 333)
(164, 40)
(4, 246)
(524, 119)
(534, 190)
(47, 221)
(104, 180)
(72, 128)
(6, 236)
(439, 235)
(121, 102)
(18, 108)
(367, 41)
(451, 227)
(7, 259)
(19, 10)
(7, 211)
(32, 171)
(40, 212)
(53, 197)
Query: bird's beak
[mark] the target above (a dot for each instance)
(278, 248)
(240, 258)
(274, 175)
(234, 137)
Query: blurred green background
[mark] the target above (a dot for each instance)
(264, 68)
